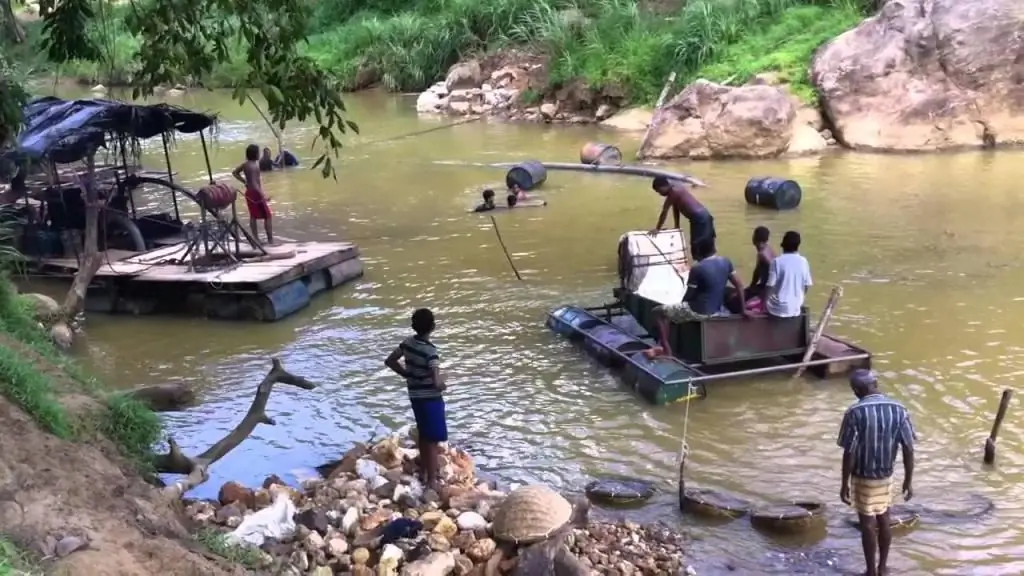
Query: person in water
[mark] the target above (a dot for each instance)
(488, 203)
(266, 162)
(789, 277)
(680, 200)
(258, 203)
(705, 291)
(871, 431)
(416, 360)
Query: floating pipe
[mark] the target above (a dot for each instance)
(627, 170)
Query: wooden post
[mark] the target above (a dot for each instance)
(661, 102)
(833, 299)
(990, 442)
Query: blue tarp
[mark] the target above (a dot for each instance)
(66, 130)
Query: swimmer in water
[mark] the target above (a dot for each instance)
(488, 203)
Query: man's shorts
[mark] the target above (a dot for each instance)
(871, 496)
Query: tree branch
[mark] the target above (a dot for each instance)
(197, 469)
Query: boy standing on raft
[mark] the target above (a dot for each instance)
(426, 385)
(872, 429)
(679, 198)
(248, 173)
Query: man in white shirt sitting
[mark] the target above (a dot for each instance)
(789, 277)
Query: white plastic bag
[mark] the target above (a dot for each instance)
(277, 522)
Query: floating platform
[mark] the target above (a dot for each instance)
(658, 380)
(715, 349)
(265, 289)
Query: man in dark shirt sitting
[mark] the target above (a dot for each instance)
(705, 291)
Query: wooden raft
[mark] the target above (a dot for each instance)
(266, 290)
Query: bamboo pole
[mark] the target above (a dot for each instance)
(504, 249)
(833, 300)
(661, 102)
(277, 135)
(990, 442)
(766, 369)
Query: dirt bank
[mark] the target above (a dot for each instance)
(78, 507)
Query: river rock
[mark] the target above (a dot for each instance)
(471, 521)
(446, 527)
(631, 120)
(926, 75)
(708, 120)
(41, 304)
(464, 75)
(62, 336)
(360, 556)
(481, 550)
(805, 140)
(432, 99)
(337, 547)
(435, 564)
(349, 521)
(232, 492)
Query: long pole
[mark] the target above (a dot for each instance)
(277, 135)
(990, 442)
(504, 249)
(770, 369)
(833, 299)
(661, 102)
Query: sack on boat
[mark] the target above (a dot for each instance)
(654, 266)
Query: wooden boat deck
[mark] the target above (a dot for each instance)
(162, 265)
(265, 288)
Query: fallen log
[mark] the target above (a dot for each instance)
(164, 397)
(196, 470)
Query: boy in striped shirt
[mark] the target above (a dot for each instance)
(415, 359)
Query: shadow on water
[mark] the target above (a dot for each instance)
(925, 246)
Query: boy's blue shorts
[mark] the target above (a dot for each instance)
(430, 419)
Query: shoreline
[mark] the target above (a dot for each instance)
(368, 514)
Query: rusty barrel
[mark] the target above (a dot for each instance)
(216, 196)
(527, 175)
(773, 193)
(597, 154)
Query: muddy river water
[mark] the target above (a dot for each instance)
(925, 247)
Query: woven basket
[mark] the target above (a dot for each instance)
(531, 514)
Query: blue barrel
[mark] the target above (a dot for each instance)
(527, 175)
(773, 193)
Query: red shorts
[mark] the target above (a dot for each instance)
(258, 207)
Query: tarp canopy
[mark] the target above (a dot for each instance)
(66, 131)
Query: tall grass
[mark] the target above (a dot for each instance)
(407, 45)
(35, 381)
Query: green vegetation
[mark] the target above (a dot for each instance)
(784, 48)
(14, 561)
(406, 46)
(216, 542)
(34, 375)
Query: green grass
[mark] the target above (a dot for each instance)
(36, 381)
(216, 542)
(784, 48)
(407, 46)
(14, 561)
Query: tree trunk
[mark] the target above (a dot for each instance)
(13, 28)
(91, 259)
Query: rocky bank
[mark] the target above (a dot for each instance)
(920, 75)
(370, 516)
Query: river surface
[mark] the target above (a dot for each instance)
(926, 247)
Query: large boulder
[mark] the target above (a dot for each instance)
(927, 75)
(708, 120)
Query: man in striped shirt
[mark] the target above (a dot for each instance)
(426, 387)
(871, 431)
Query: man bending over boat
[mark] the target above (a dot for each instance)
(680, 200)
(705, 291)
(871, 431)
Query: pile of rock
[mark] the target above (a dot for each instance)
(466, 91)
(371, 516)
